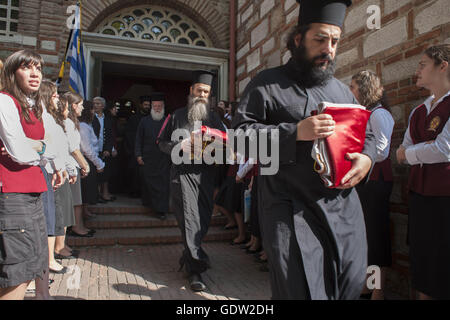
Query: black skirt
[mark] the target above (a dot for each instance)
(23, 239)
(89, 189)
(374, 197)
(429, 239)
(230, 195)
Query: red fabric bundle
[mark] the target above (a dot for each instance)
(349, 137)
(210, 135)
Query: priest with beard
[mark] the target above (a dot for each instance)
(314, 236)
(191, 182)
(154, 164)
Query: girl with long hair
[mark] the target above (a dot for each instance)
(23, 234)
(89, 148)
(59, 204)
(375, 194)
(72, 125)
(426, 149)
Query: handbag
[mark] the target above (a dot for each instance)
(349, 137)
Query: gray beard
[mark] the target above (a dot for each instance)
(157, 116)
(197, 109)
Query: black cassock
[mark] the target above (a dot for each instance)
(156, 169)
(191, 189)
(314, 237)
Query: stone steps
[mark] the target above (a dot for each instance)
(144, 236)
(131, 220)
(126, 222)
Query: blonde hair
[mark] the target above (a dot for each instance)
(369, 88)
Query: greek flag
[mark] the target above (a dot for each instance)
(75, 56)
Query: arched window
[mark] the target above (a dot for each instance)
(9, 17)
(155, 24)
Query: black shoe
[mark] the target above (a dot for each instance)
(162, 216)
(101, 200)
(60, 256)
(74, 234)
(196, 282)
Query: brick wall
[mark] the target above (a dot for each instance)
(42, 24)
(393, 51)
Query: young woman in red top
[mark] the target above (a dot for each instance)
(426, 149)
(23, 234)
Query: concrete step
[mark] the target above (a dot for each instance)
(141, 236)
(133, 220)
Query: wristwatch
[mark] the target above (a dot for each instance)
(43, 148)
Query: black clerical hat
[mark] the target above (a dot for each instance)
(142, 99)
(202, 76)
(323, 11)
(158, 96)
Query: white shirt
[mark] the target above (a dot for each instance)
(423, 153)
(89, 144)
(74, 139)
(382, 124)
(52, 137)
(14, 139)
(100, 136)
(61, 143)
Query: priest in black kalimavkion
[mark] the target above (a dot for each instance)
(314, 236)
(191, 182)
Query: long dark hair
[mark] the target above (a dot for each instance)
(62, 105)
(73, 98)
(9, 84)
(46, 92)
(86, 114)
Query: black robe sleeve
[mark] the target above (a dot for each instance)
(253, 112)
(108, 134)
(139, 139)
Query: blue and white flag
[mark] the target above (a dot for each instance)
(75, 56)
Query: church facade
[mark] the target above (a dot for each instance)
(136, 46)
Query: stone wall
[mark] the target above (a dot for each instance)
(408, 27)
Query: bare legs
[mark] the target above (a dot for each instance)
(14, 293)
(53, 264)
(241, 228)
(42, 292)
(79, 221)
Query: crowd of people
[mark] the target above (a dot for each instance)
(59, 155)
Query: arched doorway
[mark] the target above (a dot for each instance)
(144, 48)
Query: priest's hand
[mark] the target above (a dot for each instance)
(401, 155)
(315, 127)
(140, 161)
(360, 168)
(186, 145)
